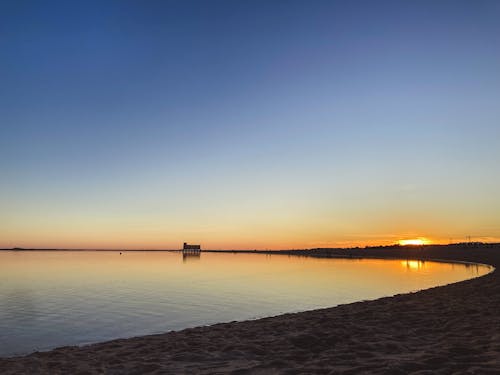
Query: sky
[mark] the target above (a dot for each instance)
(248, 124)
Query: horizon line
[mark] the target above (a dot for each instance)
(255, 250)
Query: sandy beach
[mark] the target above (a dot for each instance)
(443, 330)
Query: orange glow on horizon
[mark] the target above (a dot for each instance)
(414, 242)
(128, 241)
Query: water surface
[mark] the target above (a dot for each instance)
(50, 299)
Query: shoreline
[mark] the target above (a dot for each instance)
(443, 329)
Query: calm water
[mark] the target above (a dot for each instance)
(50, 299)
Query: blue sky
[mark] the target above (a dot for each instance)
(248, 124)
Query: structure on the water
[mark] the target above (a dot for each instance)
(191, 248)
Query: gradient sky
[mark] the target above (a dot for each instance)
(248, 124)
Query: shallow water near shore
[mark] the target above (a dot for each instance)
(49, 299)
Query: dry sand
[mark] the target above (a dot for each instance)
(443, 330)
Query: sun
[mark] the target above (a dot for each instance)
(413, 242)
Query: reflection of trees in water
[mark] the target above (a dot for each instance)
(18, 307)
(473, 268)
(189, 257)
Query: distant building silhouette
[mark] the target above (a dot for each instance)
(191, 247)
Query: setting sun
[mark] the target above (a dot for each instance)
(413, 241)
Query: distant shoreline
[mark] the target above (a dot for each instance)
(311, 251)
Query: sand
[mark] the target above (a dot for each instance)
(443, 330)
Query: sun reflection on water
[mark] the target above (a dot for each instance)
(414, 264)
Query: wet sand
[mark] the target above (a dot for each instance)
(443, 330)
